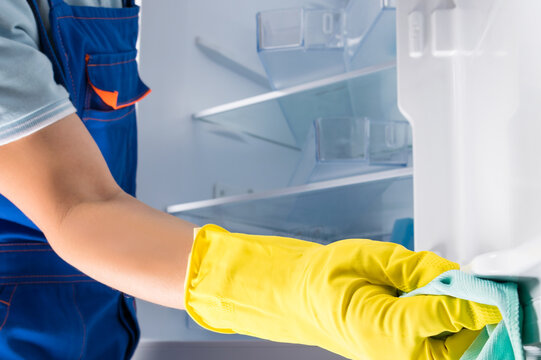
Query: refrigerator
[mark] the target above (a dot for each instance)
(411, 121)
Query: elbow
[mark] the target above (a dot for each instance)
(74, 218)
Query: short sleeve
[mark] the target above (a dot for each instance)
(30, 98)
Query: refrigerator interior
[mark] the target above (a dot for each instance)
(197, 56)
(219, 144)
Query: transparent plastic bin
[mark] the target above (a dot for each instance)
(348, 146)
(300, 45)
(322, 160)
(342, 139)
(390, 142)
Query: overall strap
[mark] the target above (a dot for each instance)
(46, 45)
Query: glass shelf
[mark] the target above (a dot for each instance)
(363, 206)
(285, 116)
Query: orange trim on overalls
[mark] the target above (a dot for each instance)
(111, 97)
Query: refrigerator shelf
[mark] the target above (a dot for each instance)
(285, 116)
(363, 206)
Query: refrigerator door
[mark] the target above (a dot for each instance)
(469, 81)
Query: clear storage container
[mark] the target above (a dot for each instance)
(390, 142)
(347, 146)
(342, 139)
(300, 45)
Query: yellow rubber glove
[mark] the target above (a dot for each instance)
(341, 297)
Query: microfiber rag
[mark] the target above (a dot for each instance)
(495, 342)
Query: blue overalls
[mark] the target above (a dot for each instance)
(49, 309)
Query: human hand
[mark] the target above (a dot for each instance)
(343, 297)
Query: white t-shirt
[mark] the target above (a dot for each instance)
(30, 99)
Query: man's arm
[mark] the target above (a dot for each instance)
(59, 179)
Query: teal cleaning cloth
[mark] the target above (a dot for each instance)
(495, 342)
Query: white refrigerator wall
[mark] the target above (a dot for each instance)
(469, 81)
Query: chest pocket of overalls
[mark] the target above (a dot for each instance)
(113, 88)
(96, 61)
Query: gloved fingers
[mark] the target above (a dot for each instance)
(450, 348)
(427, 316)
(410, 270)
(387, 263)
(415, 325)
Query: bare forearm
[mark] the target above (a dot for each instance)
(127, 245)
(59, 179)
